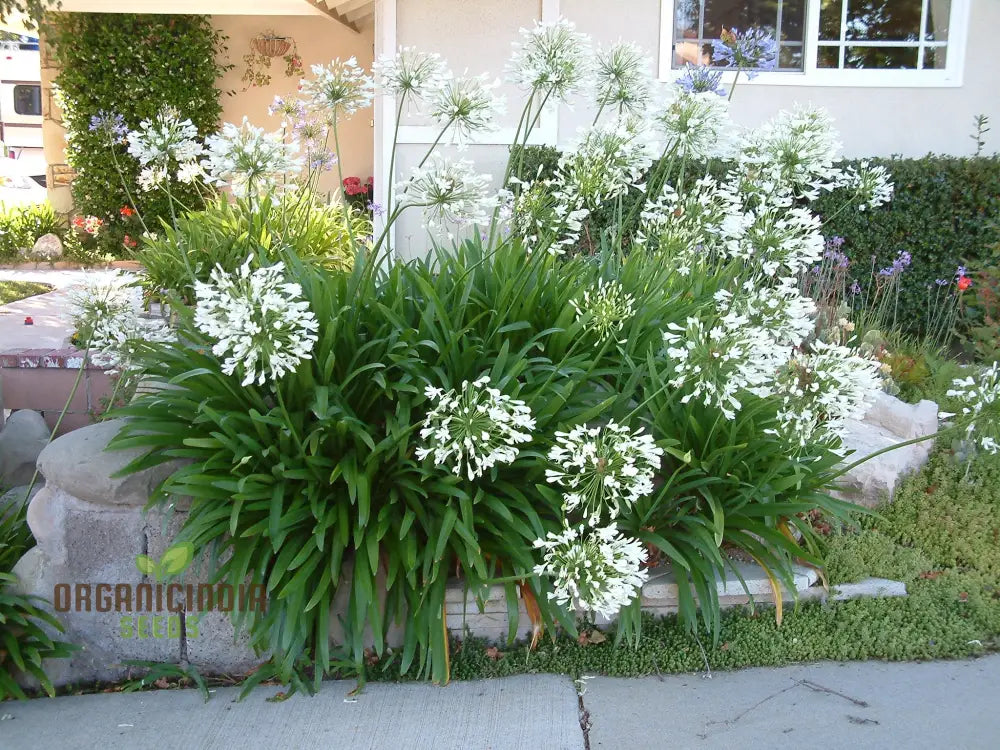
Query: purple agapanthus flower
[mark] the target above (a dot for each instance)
(110, 124)
(855, 288)
(942, 282)
(293, 109)
(752, 50)
(322, 161)
(960, 272)
(376, 208)
(698, 79)
(899, 265)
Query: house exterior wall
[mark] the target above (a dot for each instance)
(319, 39)
(873, 121)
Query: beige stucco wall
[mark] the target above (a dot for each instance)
(319, 39)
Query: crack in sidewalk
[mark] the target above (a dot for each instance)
(584, 714)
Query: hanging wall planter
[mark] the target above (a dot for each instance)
(271, 45)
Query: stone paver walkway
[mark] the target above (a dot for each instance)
(825, 706)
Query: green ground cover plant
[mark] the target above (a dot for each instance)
(11, 291)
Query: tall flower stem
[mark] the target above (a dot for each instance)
(340, 176)
(392, 156)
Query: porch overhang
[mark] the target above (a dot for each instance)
(350, 13)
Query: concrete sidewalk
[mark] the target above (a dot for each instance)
(954, 705)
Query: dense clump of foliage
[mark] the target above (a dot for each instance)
(132, 65)
(20, 226)
(944, 214)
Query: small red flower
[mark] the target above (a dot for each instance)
(964, 283)
(126, 211)
(129, 242)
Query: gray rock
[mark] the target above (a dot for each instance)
(13, 498)
(22, 440)
(888, 423)
(870, 588)
(47, 247)
(79, 462)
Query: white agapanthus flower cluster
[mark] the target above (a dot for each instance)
(544, 209)
(605, 308)
(716, 363)
(108, 315)
(450, 192)
(795, 151)
(603, 164)
(980, 399)
(603, 469)
(553, 59)
(409, 73)
(261, 324)
(249, 160)
(694, 125)
(869, 184)
(823, 388)
(467, 106)
(337, 90)
(687, 228)
(623, 78)
(774, 237)
(592, 570)
(774, 306)
(473, 428)
(161, 144)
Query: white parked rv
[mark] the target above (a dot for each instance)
(21, 109)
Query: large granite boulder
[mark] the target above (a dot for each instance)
(23, 437)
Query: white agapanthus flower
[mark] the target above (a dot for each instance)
(795, 150)
(337, 90)
(409, 73)
(152, 177)
(260, 323)
(598, 571)
(694, 125)
(165, 139)
(773, 237)
(980, 398)
(624, 80)
(822, 388)
(605, 308)
(450, 192)
(108, 314)
(544, 211)
(467, 106)
(472, 429)
(604, 163)
(603, 469)
(686, 228)
(249, 160)
(716, 363)
(870, 185)
(553, 59)
(190, 172)
(775, 306)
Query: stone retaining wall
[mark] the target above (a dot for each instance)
(42, 379)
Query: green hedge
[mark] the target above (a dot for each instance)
(945, 213)
(133, 65)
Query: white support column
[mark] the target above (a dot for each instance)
(385, 108)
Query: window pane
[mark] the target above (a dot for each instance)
(938, 16)
(829, 20)
(828, 57)
(883, 58)
(935, 58)
(28, 100)
(884, 20)
(698, 22)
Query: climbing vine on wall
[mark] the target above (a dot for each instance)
(132, 65)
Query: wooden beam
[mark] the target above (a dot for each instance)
(331, 13)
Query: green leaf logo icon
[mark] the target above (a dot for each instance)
(176, 559)
(145, 565)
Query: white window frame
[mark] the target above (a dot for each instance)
(949, 76)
